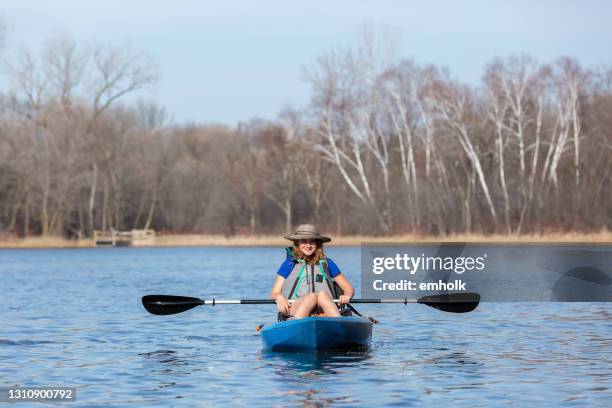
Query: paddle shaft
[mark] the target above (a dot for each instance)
(168, 304)
(214, 302)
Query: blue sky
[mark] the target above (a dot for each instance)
(229, 61)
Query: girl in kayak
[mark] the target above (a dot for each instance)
(307, 276)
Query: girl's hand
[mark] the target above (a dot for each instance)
(282, 304)
(346, 287)
(344, 299)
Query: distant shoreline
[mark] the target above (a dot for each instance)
(199, 240)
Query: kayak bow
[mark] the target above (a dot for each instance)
(316, 334)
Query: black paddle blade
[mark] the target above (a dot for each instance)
(166, 304)
(452, 302)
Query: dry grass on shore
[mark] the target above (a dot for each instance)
(195, 240)
(45, 242)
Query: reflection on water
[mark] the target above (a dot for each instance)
(310, 377)
(315, 398)
(5, 342)
(313, 364)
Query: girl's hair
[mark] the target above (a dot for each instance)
(314, 259)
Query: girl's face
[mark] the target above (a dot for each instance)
(307, 246)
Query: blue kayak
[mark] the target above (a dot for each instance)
(313, 334)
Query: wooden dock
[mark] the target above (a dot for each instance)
(114, 238)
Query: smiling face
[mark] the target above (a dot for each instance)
(307, 246)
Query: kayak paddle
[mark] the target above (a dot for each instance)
(450, 302)
(167, 305)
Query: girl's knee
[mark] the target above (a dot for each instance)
(324, 296)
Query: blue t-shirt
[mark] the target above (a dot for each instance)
(287, 266)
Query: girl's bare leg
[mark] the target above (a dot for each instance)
(304, 306)
(294, 306)
(327, 304)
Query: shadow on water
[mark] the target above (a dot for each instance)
(457, 370)
(166, 362)
(313, 364)
(456, 359)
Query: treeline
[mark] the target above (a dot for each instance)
(382, 148)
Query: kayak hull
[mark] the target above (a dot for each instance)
(316, 334)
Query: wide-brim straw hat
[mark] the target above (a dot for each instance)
(307, 231)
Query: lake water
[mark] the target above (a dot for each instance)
(74, 318)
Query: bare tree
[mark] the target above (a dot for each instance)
(452, 103)
(348, 108)
(62, 95)
(404, 109)
(514, 108)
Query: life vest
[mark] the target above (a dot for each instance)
(304, 279)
